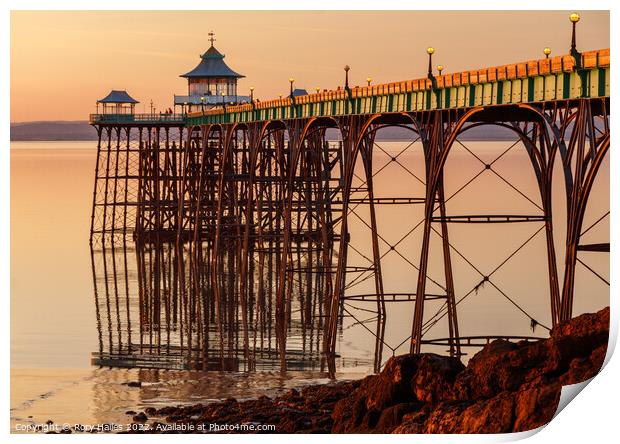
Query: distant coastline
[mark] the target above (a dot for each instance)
(73, 130)
(81, 130)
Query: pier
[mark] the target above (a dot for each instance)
(234, 214)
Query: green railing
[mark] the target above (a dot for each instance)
(137, 118)
(557, 78)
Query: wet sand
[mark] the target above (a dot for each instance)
(92, 397)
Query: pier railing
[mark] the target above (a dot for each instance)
(155, 118)
(541, 80)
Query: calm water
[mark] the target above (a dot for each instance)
(53, 328)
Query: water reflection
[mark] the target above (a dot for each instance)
(147, 317)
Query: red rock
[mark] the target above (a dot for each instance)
(495, 415)
(505, 387)
(585, 326)
(536, 406)
(392, 416)
(444, 417)
(140, 417)
(434, 378)
(393, 385)
(582, 369)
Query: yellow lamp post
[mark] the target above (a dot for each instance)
(574, 18)
(430, 51)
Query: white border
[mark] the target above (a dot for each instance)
(591, 418)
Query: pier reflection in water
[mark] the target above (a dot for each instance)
(172, 293)
(147, 315)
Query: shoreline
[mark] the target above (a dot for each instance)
(505, 387)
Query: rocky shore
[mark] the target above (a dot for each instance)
(505, 387)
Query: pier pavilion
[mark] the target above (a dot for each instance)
(212, 83)
(117, 102)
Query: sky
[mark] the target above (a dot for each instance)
(63, 61)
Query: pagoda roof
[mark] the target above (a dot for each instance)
(118, 96)
(212, 65)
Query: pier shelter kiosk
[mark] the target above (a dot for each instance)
(212, 83)
(117, 102)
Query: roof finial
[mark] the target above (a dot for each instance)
(211, 37)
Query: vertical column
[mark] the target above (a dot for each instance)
(352, 130)
(367, 151)
(587, 147)
(432, 138)
(453, 326)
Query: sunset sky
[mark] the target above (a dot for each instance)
(62, 62)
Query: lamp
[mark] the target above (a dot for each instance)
(430, 51)
(574, 18)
